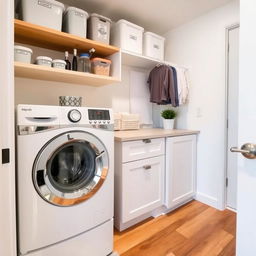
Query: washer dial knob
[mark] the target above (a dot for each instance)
(74, 115)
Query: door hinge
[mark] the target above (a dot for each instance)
(226, 182)
(5, 155)
(227, 123)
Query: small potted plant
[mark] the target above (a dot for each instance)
(168, 116)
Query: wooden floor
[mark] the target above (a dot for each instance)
(192, 230)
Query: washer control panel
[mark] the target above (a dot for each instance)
(35, 118)
(99, 116)
(74, 115)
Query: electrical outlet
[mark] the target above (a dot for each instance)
(199, 112)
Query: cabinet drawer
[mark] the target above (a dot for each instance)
(143, 183)
(140, 149)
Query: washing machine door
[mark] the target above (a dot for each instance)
(70, 168)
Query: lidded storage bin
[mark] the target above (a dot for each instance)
(22, 54)
(44, 61)
(99, 28)
(100, 66)
(59, 64)
(75, 21)
(47, 13)
(127, 36)
(153, 45)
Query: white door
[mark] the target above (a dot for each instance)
(233, 83)
(7, 170)
(246, 196)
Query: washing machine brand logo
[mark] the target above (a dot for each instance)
(26, 109)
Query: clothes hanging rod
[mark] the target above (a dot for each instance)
(172, 64)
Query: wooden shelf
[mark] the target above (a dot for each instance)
(38, 72)
(44, 37)
(137, 60)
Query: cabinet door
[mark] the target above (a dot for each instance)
(180, 169)
(142, 187)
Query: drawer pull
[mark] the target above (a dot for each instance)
(147, 140)
(147, 167)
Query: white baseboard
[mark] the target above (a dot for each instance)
(206, 199)
(231, 209)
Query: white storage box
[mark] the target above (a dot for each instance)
(46, 13)
(59, 64)
(153, 45)
(44, 61)
(99, 28)
(22, 54)
(75, 21)
(127, 36)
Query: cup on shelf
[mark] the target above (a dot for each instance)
(22, 54)
(44, 61)
(61, 64)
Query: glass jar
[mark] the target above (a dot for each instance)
(84, 63)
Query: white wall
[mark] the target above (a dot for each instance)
(117, 96)
(7, 171)
(200, 45)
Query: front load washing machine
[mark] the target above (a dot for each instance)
(65, 180)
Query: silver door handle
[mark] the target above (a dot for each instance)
(248, 150)
(237, 150)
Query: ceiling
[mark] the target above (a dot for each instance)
(158, 16)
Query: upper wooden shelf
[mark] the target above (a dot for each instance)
(44, 37)
(38, 72)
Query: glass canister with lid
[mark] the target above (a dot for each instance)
(84, 62)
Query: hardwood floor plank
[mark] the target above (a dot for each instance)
(175, 234)
(229, 224)
(214, 224)
(213, 245)
(230, 249)
(128, 239)
(157, 245)
(189, 228)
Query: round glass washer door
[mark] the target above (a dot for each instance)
(70, 168)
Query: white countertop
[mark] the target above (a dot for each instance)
(150, 134)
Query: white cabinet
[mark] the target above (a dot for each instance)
(180, 170)
(153, 176)
(139, 180)
(142, 187)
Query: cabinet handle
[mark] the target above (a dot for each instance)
(147, 167)
(147, 140)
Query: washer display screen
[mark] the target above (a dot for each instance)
(98, 114)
